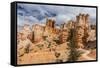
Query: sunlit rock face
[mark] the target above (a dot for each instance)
(38, 32)
(82, 27)
(63, 36)
(50, 29)
(92, 33)
(51, 44)
(26, 29)
(70, 24)
(50, 25)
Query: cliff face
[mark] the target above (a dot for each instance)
(82, 27)
(47, 43)
(37, 32)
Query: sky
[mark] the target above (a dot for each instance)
(36, 13)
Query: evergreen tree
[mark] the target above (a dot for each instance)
(74, 53)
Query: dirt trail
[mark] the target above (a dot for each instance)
(85, 54)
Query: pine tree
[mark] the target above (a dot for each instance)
(74, 53)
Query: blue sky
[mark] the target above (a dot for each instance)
(33, 13)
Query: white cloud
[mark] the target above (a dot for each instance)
(37, 13)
